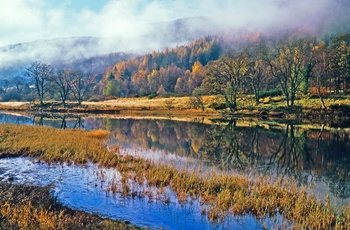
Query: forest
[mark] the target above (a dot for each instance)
(291, 66)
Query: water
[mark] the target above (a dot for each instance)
(317, 157)
(85, 189)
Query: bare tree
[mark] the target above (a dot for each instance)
(63, 80)
(81, 84)
(40, 75)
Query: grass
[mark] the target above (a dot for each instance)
(54, 145)
(222, 193)
(177, 105)
(26, 217)
(32, 207)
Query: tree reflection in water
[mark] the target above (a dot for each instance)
(317, 154)
(290, 152)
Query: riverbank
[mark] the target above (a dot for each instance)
(33, 207)
(305, 110)
(221, 194)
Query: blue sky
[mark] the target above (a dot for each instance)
(77, 5)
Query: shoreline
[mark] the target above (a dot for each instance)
(335, 115)
(33, 207)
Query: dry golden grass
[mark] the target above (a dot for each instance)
(174, 106)
(224, 193)
(53, 144)
(27, 217)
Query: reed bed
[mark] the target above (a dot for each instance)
(222, 194)
(26, 217)
(31, 207)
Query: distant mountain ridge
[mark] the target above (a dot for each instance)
(95, 54)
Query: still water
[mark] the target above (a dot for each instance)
(316, 156)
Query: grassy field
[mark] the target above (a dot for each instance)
(180, 105)
(174, 105)
(222, 193)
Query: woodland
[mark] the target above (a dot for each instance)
(291, 67)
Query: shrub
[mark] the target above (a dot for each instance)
(270, 93)
(151, 96)
(12, 96)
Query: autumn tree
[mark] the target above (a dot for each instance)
(290, 62)
(338, 56)
(196, 100)
(112, 87)
(197, 76)
(257, 76)
(320, 71)
(225, 76)
(40, 74)
(344, 65)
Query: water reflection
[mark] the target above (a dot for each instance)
(311, 155)
(308, 155)
(86, 188)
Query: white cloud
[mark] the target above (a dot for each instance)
(132, 24)
(25, 20)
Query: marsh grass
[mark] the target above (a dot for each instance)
(221, 193)
(54, 145)
(30, 207)
(27, 217)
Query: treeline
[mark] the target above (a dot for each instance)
(44, 82)
(172, 71)
(291, 66)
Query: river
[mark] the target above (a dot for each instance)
(316, 156)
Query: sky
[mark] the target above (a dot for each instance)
(28, 20)
(138, 25)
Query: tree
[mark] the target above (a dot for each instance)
(112, 87)
(40, 74)
(81, 84)
(196, 101)
(257, 72)
(291, 64)
(320, 70)
(344, 65)
(63, 80)
(224, 77)
(19, 84)
(338, 57)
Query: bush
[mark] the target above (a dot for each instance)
(151, 96)
(96, 98)
(12, 96)
(218, 106)
(270, 93)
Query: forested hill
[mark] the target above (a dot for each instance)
(178, 70)
(292, 65)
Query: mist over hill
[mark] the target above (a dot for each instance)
(93, 54)
(234, 22)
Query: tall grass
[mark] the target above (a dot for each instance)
(54, 145)
(223, 193)
(27, 217)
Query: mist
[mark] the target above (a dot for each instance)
(141, 26)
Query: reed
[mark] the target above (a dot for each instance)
(26, 217)
(31, 207)
(223, 193)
